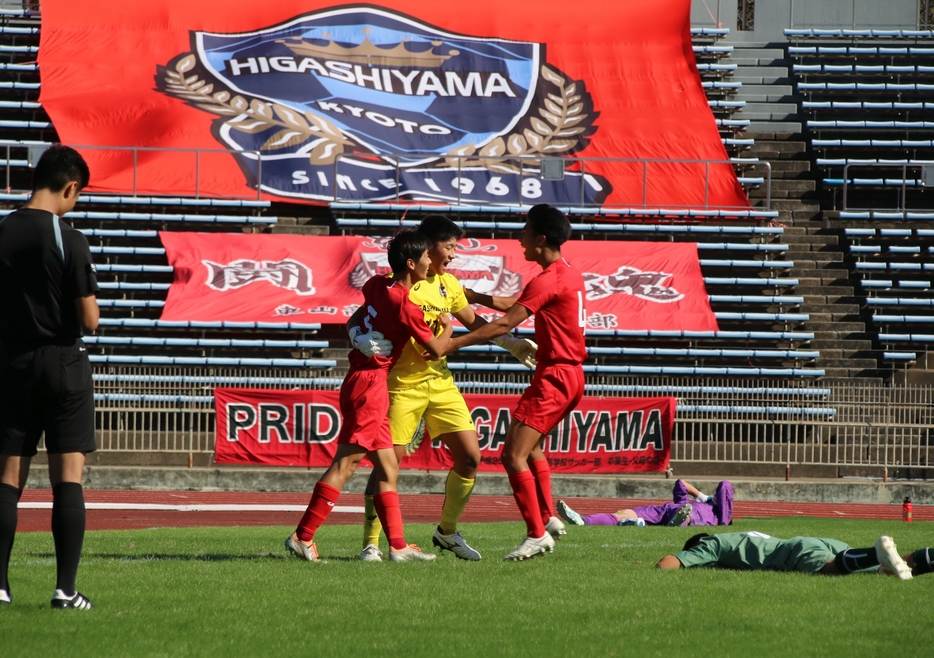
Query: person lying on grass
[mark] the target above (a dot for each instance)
(707, 510)
(755, 550)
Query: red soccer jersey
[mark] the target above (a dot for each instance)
(389, 312)
(556, 297)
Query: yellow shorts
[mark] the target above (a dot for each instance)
(437, 400)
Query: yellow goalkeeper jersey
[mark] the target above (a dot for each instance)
(435, 295)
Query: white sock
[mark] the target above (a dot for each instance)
(702, 497)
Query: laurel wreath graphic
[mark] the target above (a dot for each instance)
(509, 286)
(255, 116)
(358, 276)
(558, 133)
(555, 131)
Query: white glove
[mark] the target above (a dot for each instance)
(371, 344)
(522, 348)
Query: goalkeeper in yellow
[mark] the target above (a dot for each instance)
(420, 388)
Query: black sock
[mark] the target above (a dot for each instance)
(68, 520)
(9, 497)
(856, 559)
(923, 561)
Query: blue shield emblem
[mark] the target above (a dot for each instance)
(361, 103)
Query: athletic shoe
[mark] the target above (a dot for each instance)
(682, 515)
(636, 521)
(555, 528)
(532, 547)
(371, 554)
(568, 514)
(456, 544)
(890, 559)
(298, 548)
(78, 601)
(5, 598)
(410, 553)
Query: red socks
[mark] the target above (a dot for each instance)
(526, 494)
(542, 473)
(387, 508)
(322, 502)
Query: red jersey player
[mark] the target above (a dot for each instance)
(364, 399)
(556, 297)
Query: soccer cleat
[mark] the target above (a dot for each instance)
(532, 547)
(5, 598)
(636, 521)
(410, 553)
(682, 515)
(555, 528)
(890, 559)
(456, 544)
(568, 514)
(371, 554)
(78, 601)
(297, 547)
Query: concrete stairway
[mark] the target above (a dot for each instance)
(823, 278)
(767, 88)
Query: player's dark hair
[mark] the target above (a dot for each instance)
(59, 166)
(408, 244)
(439, 228)
(694, 541)
(550, 222)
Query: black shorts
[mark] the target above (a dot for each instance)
(46, 389)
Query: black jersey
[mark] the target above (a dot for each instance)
(45, 265)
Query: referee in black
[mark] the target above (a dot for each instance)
(47, 299)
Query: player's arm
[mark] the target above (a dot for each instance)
(669, 562)
(501, 326)
(372, 343)
(82, 280)
(522, 348)
(87, 312)
(496, 303)
(437, 346)
(355, 319)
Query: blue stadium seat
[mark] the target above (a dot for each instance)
(212, 361)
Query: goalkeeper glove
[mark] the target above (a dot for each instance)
(522, 348)
(371, 344)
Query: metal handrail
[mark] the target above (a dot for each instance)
(904, 187)
(395, 158)
(135, 150)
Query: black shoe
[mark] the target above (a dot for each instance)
(79, 601)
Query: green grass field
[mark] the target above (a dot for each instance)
(234, 592)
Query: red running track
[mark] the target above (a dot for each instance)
(415, 509)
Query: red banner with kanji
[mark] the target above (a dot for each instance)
(288, 278)
(300, 428)
(315, 101)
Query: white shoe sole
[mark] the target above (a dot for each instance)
(890, 559)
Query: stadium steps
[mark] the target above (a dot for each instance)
(764, 71)
(830, 298)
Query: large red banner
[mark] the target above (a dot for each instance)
(317, 101)
(300, 428)
(268, 278)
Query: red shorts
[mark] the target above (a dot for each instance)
(555, 390)
(364, 400)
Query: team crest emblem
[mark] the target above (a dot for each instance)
(474, 266)
(362, 103)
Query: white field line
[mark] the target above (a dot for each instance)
(196, 508)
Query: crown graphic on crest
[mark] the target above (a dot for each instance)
(370, 54)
